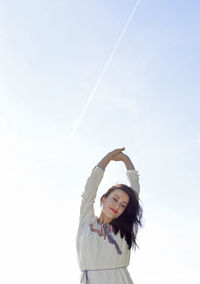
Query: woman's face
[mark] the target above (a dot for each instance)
(115, 204)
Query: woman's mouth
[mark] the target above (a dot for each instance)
(113, 210)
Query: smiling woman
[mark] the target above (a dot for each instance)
(113, 202)
(103, 244)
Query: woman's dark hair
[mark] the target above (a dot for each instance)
(129, 221)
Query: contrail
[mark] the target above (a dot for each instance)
(70, 136)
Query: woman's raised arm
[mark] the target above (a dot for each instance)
(132, 174)
(91, 187)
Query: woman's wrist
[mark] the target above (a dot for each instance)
(105, 161)
(127, 161)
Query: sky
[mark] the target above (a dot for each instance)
(51, 56)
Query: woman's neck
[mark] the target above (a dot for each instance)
(104, 219)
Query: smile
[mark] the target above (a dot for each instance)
(113, 210)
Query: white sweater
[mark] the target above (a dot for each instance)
(99, 259)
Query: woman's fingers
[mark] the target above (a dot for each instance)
(117, 151)
(113, 153)
(119, 157)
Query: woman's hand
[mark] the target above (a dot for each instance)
(124, 158)
(120, 157)
(116, 152)
(110, 156)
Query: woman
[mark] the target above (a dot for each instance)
(103, 244)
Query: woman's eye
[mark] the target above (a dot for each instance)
(117, 200)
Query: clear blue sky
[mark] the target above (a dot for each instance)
(51, 55)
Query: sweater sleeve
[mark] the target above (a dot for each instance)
(89, 194)
(133, 178)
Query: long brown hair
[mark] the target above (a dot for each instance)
(130, 220)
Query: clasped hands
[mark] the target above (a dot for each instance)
(118, 155)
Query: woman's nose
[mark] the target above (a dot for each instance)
(118, 205)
